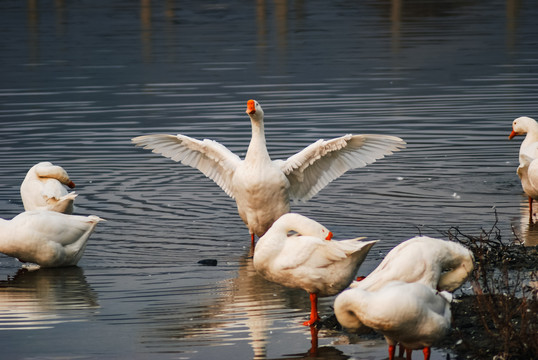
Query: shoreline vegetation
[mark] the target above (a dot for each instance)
(499, 318)
(496, 317)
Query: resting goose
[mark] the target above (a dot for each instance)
(261, 187)
(43, 188)
(528, 152)
(307, 259)
(46, 238)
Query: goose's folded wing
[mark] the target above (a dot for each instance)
(53, 226)
(532, 174)
(317, 165)
(528, 154)
(213, 159)
(311, 252)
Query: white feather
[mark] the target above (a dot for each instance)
(262, 188)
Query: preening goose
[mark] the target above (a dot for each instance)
(412, 314)
(43, 188)
(261, 187)
(437, 263)
(307, 259)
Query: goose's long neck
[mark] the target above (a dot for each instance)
(303, 225)
(532, 134)
(453, 279)
(347, 306)
(257, 149)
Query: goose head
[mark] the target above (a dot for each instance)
(254, 110)
(522, 125)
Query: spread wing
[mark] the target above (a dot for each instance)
(311, 169)
(213, 159)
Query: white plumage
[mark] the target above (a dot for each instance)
(307, 260)
(43, 188)
(401, 298)
(528, 153)
(46, 238)
(261, 187)
(412, 314)
(439, 264)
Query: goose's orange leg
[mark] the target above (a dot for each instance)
(427, 353)
(314, 317)
(392, 350)
(252, 240)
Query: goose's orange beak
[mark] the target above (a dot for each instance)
(71, 184)
(251, 107)
(512, 134)
(330, 236)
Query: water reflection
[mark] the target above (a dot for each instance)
(323, 352)
(528, 227)
(512, 14)
(145, 29)
(395, 21)
(33, 30)
(40, 299)
(246, 308)
(398, 12)
(315, 352)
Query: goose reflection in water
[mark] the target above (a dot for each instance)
(233, 311)
(528, 229)
(40, 299)
(324, 352)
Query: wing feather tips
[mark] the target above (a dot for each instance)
(317, 165)
(387, 141)
(148, 140)
(213, 159)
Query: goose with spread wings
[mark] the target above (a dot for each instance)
(261, 187)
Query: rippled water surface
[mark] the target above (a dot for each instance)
(80, 79)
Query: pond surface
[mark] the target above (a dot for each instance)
(80, 79)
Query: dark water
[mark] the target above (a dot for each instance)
(79, 79)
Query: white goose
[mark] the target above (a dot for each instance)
(43, 189)
(47, 238)
(263, 188)
(527, 153)
(528, 173)
(439, 264)
(412, 314)
(307, 260)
